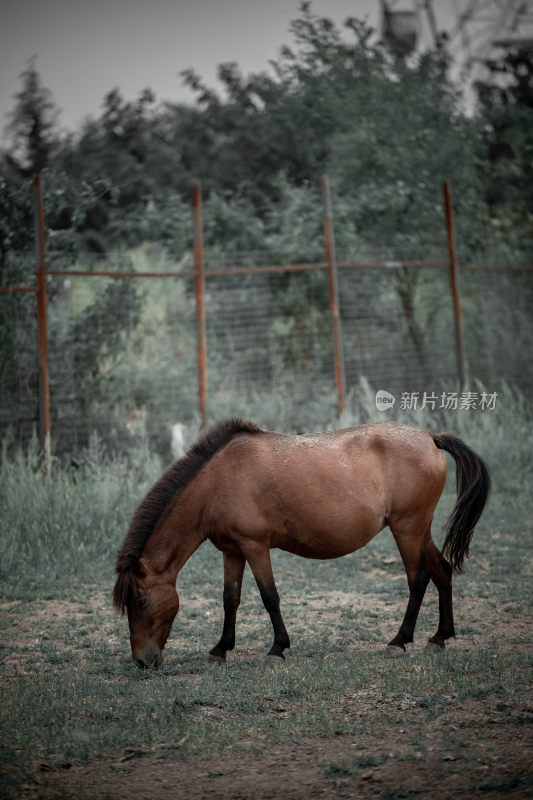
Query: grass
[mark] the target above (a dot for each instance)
(86, 698)
(63, 529)
(66, 529)
(71, 693)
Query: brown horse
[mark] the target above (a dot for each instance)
(321, 495)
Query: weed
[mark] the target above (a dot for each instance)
(339, 774)
(401, 793)
(502, 785)
(335, 770)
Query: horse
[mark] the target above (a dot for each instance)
(319, 495)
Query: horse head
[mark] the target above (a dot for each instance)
(151, 602)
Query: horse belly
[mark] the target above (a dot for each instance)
(307, 501)
(326, 529)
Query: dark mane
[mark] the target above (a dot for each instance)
(148, 513)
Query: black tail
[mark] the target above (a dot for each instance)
(473, 489)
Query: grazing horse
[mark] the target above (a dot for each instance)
(321, 495)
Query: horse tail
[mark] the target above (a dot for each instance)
(473, 489)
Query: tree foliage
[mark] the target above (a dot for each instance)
(32, 126)
(506, 108)
(387, 131)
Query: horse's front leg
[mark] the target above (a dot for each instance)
(260, 564)
(233, 571)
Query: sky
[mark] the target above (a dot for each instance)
(84, 49)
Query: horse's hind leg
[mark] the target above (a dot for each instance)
(411, 550)
(233, 571)
(440, 572)
(260, 564)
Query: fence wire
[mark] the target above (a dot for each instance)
(121, 359)
(498, 321)
(122, 351)
(267, 330)
(19, 377)
(397, 328)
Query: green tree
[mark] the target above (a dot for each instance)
(386, 131)
(506, 108)
(32, 125)
(16, 221)
(128, 156)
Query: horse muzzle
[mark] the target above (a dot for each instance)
(149, 657)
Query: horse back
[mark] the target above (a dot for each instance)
(319, 495)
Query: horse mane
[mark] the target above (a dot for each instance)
(147, 515)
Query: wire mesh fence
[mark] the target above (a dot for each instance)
(121, 357)
(19, 375)
(122, 335)
(398, 328)
(267, 330)
(122, 351)
(19, 390)
(498, 313)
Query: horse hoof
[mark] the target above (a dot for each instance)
(216, 659)
(433, 647)
(394, 651)
(271, 658)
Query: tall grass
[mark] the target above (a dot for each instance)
(65, 528)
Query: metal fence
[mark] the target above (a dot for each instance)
(498, 313)
(115, 347)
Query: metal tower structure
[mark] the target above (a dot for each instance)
(472, 31)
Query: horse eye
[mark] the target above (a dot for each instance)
(143, 602)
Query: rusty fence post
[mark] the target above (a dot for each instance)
(200, 302)
(42, 339)
(329, 238)
(462, 367)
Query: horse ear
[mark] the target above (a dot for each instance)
(130, 563)
(123, 590)
(125, 586)
(136, 567)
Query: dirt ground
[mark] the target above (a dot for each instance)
(316, 767)
(476, 747)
